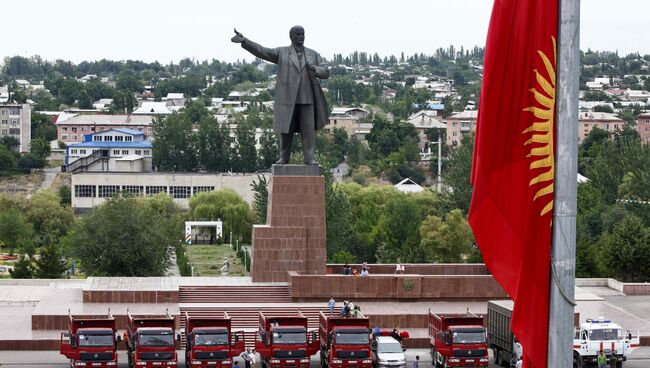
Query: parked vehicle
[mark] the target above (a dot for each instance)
(210, 342)
(344, 341)
(90, 342)
(150, 341)
(602, 334)
(501, 340)
(284, 341)
(387, 352)
(457, 340)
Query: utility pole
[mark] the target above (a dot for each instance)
(562, 285)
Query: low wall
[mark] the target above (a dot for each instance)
(130, 296)
(305, 287)
(418, 268)
(627, 288)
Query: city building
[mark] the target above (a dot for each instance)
(423, 121)
(122, 150)
(90, 189)
(16, 122)
(603, 120)
(72, 130)
(643, 126)
(153, 108)
(459, 125)
(349, 119)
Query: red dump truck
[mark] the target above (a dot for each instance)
(150, 341)
(284, 341)
(344, 341)
(90, 342)
(458, 340)
(209, 341)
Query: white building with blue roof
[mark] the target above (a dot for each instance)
(117, 150)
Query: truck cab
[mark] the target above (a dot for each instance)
(209, 341)
(602, 334)
(345, 341)
(387, 352)
(90, 341)
(151, 341)
(284, 341)
(458, 340)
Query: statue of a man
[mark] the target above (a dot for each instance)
(300, 104)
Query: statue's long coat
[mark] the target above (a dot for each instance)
(288, 80)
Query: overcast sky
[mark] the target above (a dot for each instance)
(166, 30)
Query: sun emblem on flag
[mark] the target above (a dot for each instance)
(541, 130)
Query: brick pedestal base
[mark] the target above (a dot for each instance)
(294, 237)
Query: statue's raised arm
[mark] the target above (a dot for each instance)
(238, 37)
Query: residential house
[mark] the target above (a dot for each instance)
(637, 95)
(587, 121)
(459, 125)
(349, 119)
(174, 99)
(16, 122)
(120, 149)
(423, 121)
(72, 130)
(643, 126)
(408, 186)
(153, 108)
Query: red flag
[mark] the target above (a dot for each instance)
(514, 158)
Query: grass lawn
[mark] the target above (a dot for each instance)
(208, 259)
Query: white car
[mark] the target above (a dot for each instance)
(387, 352)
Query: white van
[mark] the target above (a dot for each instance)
(387, 352)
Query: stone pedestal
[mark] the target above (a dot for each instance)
(293, 238)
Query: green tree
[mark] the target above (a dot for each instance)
(626, 250)
(260, 189)
(213, 145)
(23, 269)
(7, 159)
(127, 81)
(457, 175)
(174, 143)
(30, 161)
(15, 232)
(397, 232)
(125, 237)
(269, 151)
(40, 147)
(51, 221)
(246, 153)
(50, 263)
(449, 240)
(339, 225)
(123, 102)
(227, 205)
(42, 127)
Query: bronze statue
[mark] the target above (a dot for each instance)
(300, 104)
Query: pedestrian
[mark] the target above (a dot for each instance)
(416, 362)
(364, 272)
(246, 355)
(331, 305)
(356, 311)
(355, 272)
(613, 360)
(236, 364)
(398, 266)
(395, 334)
(347, 270)
(519, 364)
(601, 360)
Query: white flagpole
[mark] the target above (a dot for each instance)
(562, 290)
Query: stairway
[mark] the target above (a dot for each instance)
(247, 318)
(234, 294)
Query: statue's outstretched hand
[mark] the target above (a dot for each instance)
(238, 37)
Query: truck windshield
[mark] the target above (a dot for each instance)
(211, 339)
(290, 336)
(96, 339)
(605, 334)
(391, 347)
(157, 338)
(469, 337)
(352, 337)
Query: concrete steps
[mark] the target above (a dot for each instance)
(234, 294)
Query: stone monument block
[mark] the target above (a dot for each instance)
(294, 237)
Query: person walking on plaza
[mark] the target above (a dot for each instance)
(399, 269)
(613, 360)
(416, 362)
(602, 360)
(331, 305)
(235, 364)
(247, 356)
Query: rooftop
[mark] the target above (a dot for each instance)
(104, 119)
